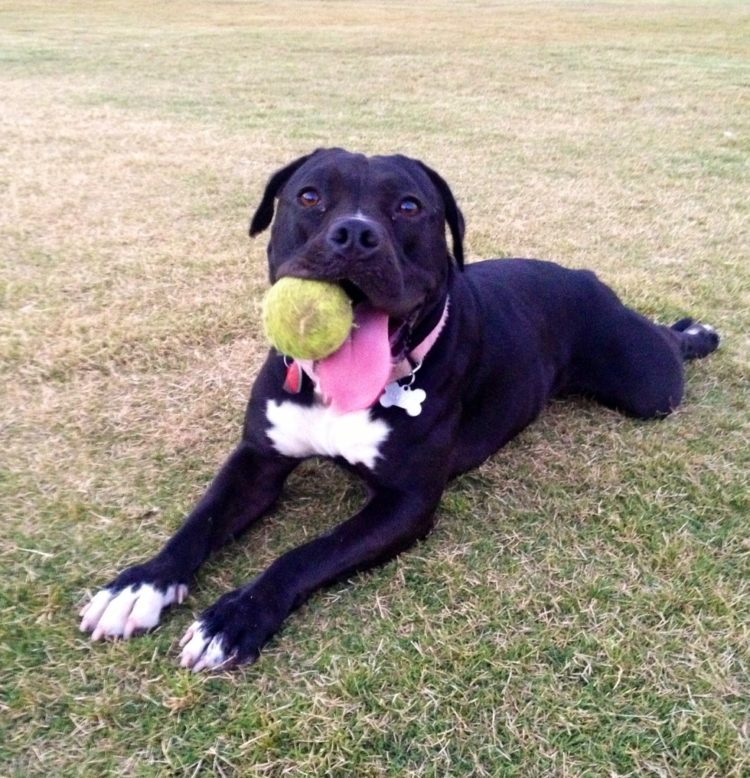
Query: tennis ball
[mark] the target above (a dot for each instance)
(306, 319)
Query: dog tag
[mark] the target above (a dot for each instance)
(293, 382)
(397, 396)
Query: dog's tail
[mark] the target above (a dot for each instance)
(695, 340)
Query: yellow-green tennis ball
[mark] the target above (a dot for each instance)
(307, 319)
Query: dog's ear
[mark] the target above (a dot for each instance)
(264, 213)
(453, 214)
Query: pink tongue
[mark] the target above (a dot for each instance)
(354, 376)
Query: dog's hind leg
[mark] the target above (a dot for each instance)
(629, 363)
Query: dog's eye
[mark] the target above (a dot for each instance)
(309, 197)
(409, 206)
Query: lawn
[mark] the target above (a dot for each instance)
(583, 606)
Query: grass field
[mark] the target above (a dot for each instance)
(583, 606)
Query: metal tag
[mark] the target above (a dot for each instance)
(397, 396)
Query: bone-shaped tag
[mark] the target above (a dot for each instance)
(405, 397)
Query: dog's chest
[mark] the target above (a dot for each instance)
(301, 431)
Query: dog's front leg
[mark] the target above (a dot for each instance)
(245, 488)
(234, 629)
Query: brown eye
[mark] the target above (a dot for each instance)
(409, 206)
(308, 198)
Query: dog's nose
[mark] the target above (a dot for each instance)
(354, 235)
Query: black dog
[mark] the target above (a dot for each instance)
(444, 366)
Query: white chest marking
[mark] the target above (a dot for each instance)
(303, 431)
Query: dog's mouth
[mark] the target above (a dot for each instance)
(354, 376)
(399, 329)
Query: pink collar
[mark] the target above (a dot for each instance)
(417, 355)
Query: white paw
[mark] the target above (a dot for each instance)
(200, 651)
(699, 329)
(133, 609)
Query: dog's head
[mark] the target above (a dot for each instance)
(375, 225)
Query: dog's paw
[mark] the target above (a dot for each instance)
(698, 340)
(203, 651)
(232, 631)
(114, 612)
